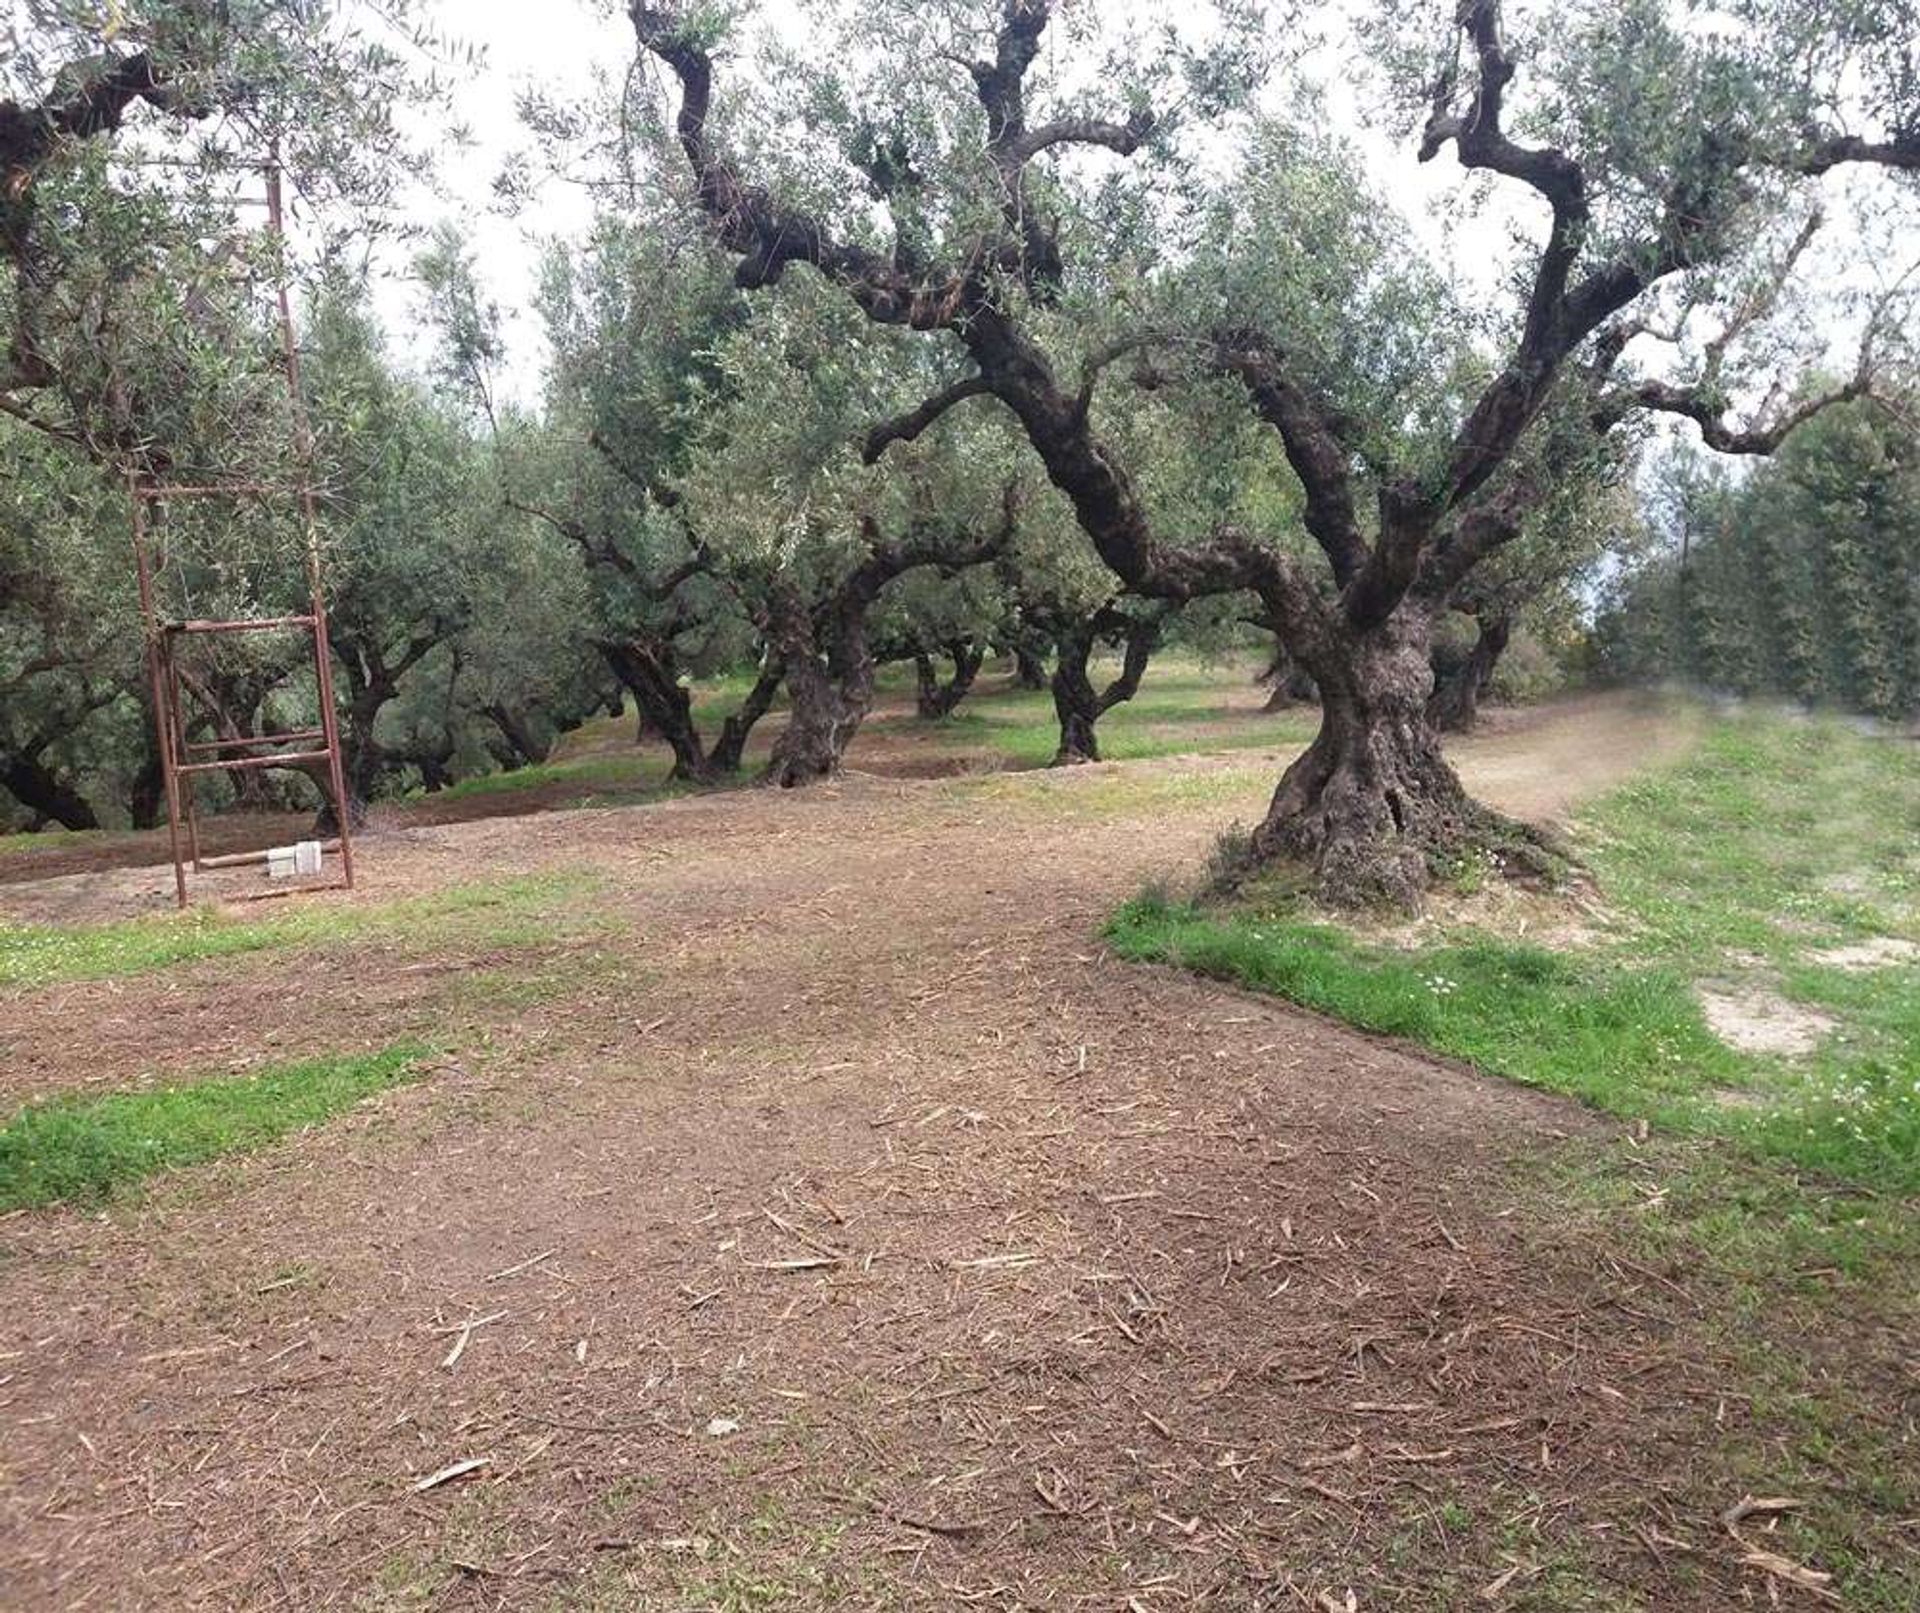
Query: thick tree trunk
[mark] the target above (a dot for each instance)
(936, 699)
(824, 647)
(829, 671)
(666, 710)
(147, 790)
(1372, 805)
(665, 705)
(435, 775)
(1029, 668)
(824, 713)
(731, 746)
(45, 794)
(326, 822)
(365, 757)
(1459, 682)
(1077, 704)
(522, 738)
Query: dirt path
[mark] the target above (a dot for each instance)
(852, 1233)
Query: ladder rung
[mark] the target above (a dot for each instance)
(198, 746)
(157, 493)
(246, 624)
(234, 764)
(240, 859)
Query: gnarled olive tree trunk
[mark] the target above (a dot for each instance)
(825, 645)
(649, 670)
(1460, 680)
(47, 796)
(1076, 702)
(526, 741)
(1372, 804)
(830, 670)
(936, 697)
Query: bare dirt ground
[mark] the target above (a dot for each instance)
(838, 1227)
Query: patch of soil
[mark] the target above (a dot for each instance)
(868, 1239)
(1540, 762)
(1862, 957)
(1755, 1020)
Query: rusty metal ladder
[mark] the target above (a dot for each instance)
(183, 759)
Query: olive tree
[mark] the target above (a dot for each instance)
(810, 538)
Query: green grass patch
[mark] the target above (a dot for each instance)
(1776, 841)
(1795, 1279)
(492, 912)
(1182, 706)
(84, 1148)
(1630, 1040)
(622, 774)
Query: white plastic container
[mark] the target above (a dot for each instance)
(282, 862)
(306, 857)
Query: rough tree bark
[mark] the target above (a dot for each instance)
(147, 790)
(829, 686)
(825, 645)
(1077, 704)
(33, 781)
(934, 697)
(1461, 679)
(525, 742)
(1372, 804)
(435, 764)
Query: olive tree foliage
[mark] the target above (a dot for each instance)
(977, 171)
(436, 593)
(813, 540)
(632, 318)
(69, 644)
(1801, 580)
(700, 453)
(126, 134)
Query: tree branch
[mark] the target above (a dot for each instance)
(29, 134)
(1707, 411)
(1901, 152)
(768, 236)
(1123, 138)
(1314, 450)
(908, 426)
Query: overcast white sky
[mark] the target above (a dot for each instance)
(555, 46)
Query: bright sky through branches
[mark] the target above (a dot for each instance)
(563, 47)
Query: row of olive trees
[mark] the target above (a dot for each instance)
(139, 346)
(458, 636)
(1803, 580)
(1219, 384)
(1031, 217)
